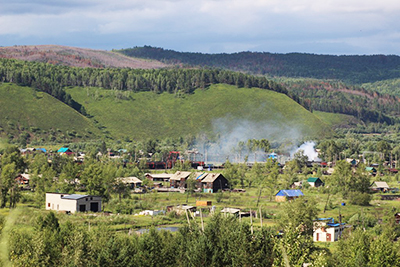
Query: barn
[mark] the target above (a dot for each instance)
(72, 202)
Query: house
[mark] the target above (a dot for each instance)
(353, 162)
(133, 182)
(65, 151)
(314, 182)
(214, 182)
(23, 179)
(284, 195)
(72, 203)
(159, 177)
(326, 230)
(380, 186)
(178, 179)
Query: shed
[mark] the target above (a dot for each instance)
(380, 186)
(284, 195)
(315, 182)
(72, 202)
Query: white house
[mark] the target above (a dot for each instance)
(72, 202)
(326, 230)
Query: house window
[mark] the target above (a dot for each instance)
(48, 205)
(86, 199)
(91, 198)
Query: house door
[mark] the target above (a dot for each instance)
(328, 237)
(94, 206)
(82, 207)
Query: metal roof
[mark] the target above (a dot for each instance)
(313, 179)
(380, 185)
(290, 193)
(74, 196)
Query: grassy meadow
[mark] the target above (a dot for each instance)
(148, 115)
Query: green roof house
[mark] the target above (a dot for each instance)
(315, 182)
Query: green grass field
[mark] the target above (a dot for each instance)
(148, 115)
(23, 109)
(335, 119)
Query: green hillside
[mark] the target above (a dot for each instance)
(390, 87)
(219, 108)
(36, 116)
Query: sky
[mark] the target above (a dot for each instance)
(338, 27)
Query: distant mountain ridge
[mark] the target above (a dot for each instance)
(356, 69)
(76, 57)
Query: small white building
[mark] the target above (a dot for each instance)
(325, 230)
(72, 202)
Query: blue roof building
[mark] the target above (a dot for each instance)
(284, 195)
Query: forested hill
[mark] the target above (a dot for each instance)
(350, 69)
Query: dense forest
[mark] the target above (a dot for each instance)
(350, 69)
(336, 97)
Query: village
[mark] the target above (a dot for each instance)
(202, 189)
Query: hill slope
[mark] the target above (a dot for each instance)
(220, 109)
(77, 57)
(27, 114)
(350, 69)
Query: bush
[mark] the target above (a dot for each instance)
(357, 198)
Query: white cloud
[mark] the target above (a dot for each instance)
(210, 25)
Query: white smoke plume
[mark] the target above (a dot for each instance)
(309, 150)
(230, 132)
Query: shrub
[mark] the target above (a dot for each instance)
(357, 198)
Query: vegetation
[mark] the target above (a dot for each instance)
(29, 116)
(350, 69)
(145, 115)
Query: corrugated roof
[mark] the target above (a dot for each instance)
(290, 193)
(312, 179)
(160, 175)
(62, 150)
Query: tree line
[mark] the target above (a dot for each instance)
(351, 69)
(52, 79)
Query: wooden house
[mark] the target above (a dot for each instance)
(72, 202)
(159, 177)
(314, 182)
(214, 182)
(178, 179)
(284, 195)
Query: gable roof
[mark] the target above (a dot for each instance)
(180, 175)
(313, 179)
(160, 175)
(211, 177)
(380, 185)
(63, 150)
(290, 193)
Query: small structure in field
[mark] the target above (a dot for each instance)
(380, 186)
(72, 202)
(204, 203)
(285, 195)
(315, 182)
(326, 230)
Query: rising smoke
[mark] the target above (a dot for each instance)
(308, 149)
